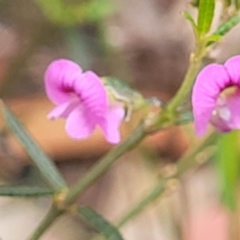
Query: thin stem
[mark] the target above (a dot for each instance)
(186, 163)
(139, 133)
(100, 168)
(195, 64)
(185, 88)
(46, 222)
(104, 163)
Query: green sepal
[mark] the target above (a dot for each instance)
(122, 92)
(100, 224)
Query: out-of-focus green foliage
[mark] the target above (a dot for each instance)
(99, 223)
(63, 13)
(228, 164)
(227, 2)
(237, 4)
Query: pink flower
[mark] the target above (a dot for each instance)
(216, 97)
(81, 99)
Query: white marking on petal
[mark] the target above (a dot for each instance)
(224, 114)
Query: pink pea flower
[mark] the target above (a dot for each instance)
(216, 97)
(81, 99)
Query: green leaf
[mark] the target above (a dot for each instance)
(228, 164)
(227, 26)
(205, 15)
(222, 30)
(24, 191)
(41, 160)
(105, 228)
(189, 17)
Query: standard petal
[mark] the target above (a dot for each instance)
(59, 80)
(64, 109)
(92, 93)
(209, 83)
(78, 125)
(110, 128)
(232, 66)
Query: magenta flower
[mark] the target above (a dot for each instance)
(216, 97)
(81, 99)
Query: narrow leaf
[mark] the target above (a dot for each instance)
(227, 26)
(40, 159)
(205, 15)
(228, 166)
(223, 29)
(189, 17)
(24, 191)
(105, 228)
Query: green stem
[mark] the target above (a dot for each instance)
(139, 133)
(185, 88)
(194, 66)
(186, 163)
(46, 222)
(100, 168)
(104, 163)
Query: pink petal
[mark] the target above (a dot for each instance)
(209, 83)
(92, 94)
(64, 109)
(78, 125)
(232, 66)
(59, 80)
(111, 130)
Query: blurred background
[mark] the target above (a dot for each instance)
(143, 42)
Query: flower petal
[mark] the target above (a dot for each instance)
(78, 125)
(110, 129)
(232, 66)
(93, 95)
(59, 79)
(209, 83)
(64, 109)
